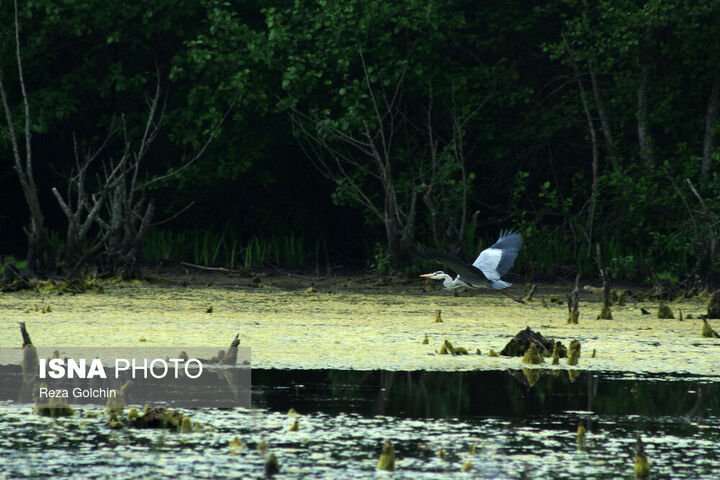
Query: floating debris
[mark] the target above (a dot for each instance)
(664, 311)
(438, 315)
(142, 339)
(493, 353)
(467, 466)
(574, 352)
(387, 458)
(532, 356)
(477, 350)
(644, 311)
(642, 466)
(426, 340)
(209, 309)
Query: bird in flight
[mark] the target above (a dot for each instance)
(488, 268)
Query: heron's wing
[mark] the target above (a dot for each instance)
(496, 260)
(467, 272)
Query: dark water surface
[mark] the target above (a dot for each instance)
(520, 431)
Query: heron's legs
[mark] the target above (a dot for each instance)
(510, 295)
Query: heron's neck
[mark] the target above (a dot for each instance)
(449, 283)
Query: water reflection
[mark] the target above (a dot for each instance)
(511, 393)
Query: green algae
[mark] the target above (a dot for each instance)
(351, 329)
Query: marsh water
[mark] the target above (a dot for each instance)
(353, 364)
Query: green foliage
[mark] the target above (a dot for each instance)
(381, 260)
(205, 247)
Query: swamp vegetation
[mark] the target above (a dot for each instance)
(349, 356)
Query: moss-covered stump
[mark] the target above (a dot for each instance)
(573, 317)
(581, 437)
(156, 417)
(522, 341)
(605, 313)
(272, 466)
(642, 466)
(714, 305)
(664, 311)
(557, 349)
(574, 352)
(387, 458)
(707, 330)
(54, 407)
(532, 356)
(448, 348)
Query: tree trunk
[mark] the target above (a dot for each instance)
(710, 122)
(646, 152)
(593, 140)
(604, 122)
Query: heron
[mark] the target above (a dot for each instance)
(488, 267)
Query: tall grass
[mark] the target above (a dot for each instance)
(228, 249)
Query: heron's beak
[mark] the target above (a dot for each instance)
(426, 275)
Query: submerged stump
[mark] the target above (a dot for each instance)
(521, 342)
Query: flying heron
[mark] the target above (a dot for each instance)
(490, 265)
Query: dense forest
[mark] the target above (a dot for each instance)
(318, 133)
